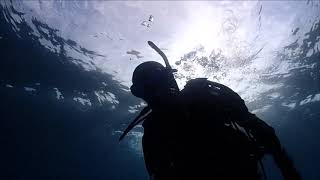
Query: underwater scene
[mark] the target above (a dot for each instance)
(66, 69)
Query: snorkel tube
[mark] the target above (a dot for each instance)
(172, 82)
(173, 85)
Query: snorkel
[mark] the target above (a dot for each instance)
(173, 82)
(173, 86)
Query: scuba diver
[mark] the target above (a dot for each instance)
(204, 131)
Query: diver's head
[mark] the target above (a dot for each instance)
(150, 80)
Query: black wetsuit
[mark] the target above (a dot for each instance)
(187, 136)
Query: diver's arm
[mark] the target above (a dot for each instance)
(285, 164)
(266, 136)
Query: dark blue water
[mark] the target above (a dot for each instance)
(43, 137)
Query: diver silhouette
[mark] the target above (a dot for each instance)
(204, 131)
